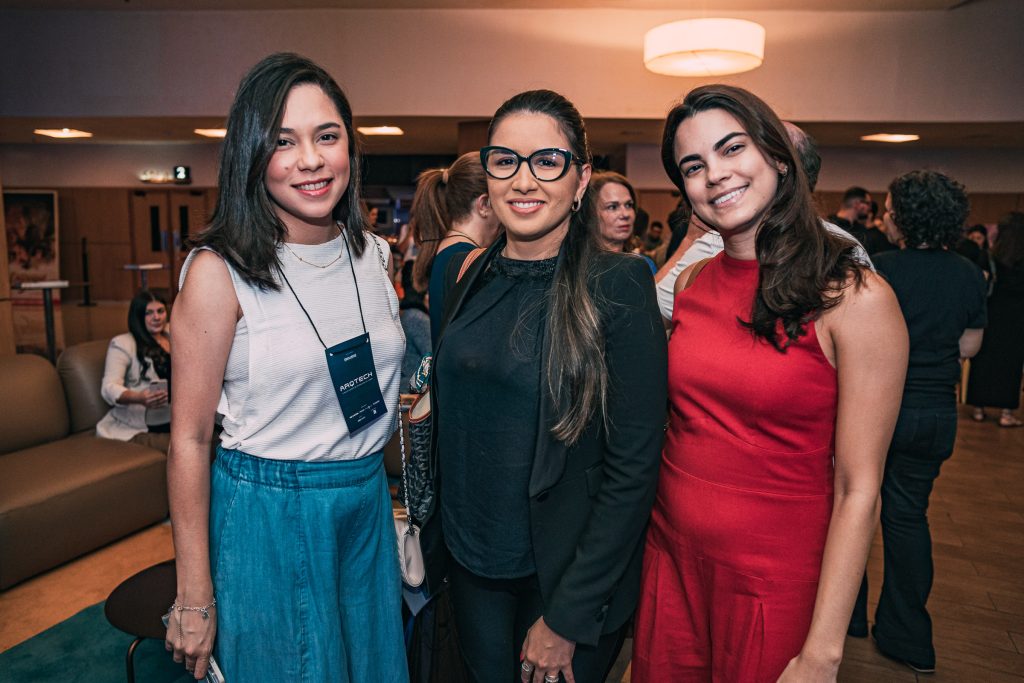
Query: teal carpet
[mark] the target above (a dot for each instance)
(87, 649)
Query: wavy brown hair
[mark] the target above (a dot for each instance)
(803, 267)
(444, 196)
(245, 229)
(577, 376)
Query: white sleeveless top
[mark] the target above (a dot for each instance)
(278, 401)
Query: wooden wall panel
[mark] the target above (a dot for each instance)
(7, 345)
(110, 281)
(989, 208)
(101, 216)
(658, 204)
(5, 276)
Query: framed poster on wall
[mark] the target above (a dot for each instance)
(33, 243)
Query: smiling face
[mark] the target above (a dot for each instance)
(616, 214)
(156, 317)
(729, 182)
(309, 171)
(535, 213)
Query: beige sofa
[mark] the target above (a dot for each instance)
(63, 491)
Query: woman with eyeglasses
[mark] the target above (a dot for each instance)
(549, 396)
(137, 375)
(615, 207)
(786, 366)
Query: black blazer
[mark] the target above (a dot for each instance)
(589, 503)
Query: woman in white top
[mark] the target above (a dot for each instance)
(136, 376)
(286, 552)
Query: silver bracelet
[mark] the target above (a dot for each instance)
(204, 610)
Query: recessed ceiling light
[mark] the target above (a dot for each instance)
(380, 130)
(62, 133)
(889, 137)
(211, 132)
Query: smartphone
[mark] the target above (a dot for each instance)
(158, 385)
(213, 674)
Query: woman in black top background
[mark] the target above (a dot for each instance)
(942, 296)
(550, 392)
(995, 377)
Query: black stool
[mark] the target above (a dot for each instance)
(136, 606)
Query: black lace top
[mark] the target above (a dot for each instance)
(489, 380)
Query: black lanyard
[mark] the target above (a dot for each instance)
(355, 280)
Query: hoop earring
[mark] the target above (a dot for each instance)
(576, 204)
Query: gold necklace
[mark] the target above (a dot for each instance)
(310, 263)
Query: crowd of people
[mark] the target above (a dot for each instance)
(693, 429)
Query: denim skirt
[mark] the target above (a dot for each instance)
(305, 571)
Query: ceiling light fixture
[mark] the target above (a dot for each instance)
(704, 47)
(211, 132)
(380, 130)
(890, 137)
(62, 133)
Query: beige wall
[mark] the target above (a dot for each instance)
(960, 65)
(981, 170)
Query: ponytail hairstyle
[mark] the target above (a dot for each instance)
(576, 372)
(803, 267)
(245, 229)
(444, 196)
(146, 347)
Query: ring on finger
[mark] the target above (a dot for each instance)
(526, 667)
(551, 678)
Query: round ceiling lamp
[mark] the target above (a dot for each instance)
(704, 47)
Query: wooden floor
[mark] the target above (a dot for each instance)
(977, 605)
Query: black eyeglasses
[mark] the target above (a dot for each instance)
(501, 163)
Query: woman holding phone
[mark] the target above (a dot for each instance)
(136, 375)
(289, 327)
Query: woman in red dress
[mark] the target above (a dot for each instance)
(786, 366)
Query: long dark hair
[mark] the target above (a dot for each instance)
(146, 346)
(803, 267)
(577, 376)
(443, 197)
(245, 229)
(1009, 246)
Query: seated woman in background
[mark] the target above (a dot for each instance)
(450, 215)
(615, 207)
(137, 375)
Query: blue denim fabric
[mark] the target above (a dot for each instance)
(923, 440)
(305, 570)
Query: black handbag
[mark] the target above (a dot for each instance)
(417, 475)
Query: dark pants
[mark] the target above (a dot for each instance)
(923, 440)
(493, 616)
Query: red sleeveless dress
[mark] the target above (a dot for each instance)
(744, 500)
